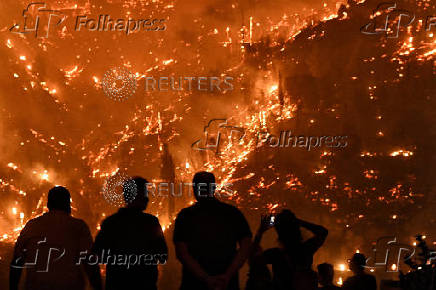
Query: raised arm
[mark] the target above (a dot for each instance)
(263, 227)
(320, 233)
(317, 230)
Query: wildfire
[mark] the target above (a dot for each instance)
(403, 153)
(342, 267)
(100, 150)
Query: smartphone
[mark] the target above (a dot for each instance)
(272, 220)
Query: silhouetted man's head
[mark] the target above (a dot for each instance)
(288, 229)
(357, 263)
(325, 274)
(204, 186)
(59, 198)
(140, 199)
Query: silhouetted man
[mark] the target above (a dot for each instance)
(131, 243)
(49, 247)
(325, 277)
(361, 280)
(206, 235)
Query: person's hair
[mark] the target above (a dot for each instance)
(59, 198)
(203, 184)
(135, 183)
(288, 229)
(359, 260)
(325, 270)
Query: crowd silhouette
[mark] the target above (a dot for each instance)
(212, 241)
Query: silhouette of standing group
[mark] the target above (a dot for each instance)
(212, 241)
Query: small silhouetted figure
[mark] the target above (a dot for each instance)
(326, 274)
(49, 247)
(206, 236)
(361, 280)
(131, 243)
(292, 262)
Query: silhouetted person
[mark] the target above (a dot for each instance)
(206, 236)
(292, 262)
(131, 243)
(326, 274)
(49, 247)
(361, 280)
(259, 276)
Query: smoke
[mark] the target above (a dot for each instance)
(327, 79)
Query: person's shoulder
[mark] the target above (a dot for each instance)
(110, 219)
(79, 223)
(188, 210)
(150, 217)
(35, 220)
(229, 207)
(77, 220)
(42, 219)
(32, 223)
(350, 280)
(370, 277)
